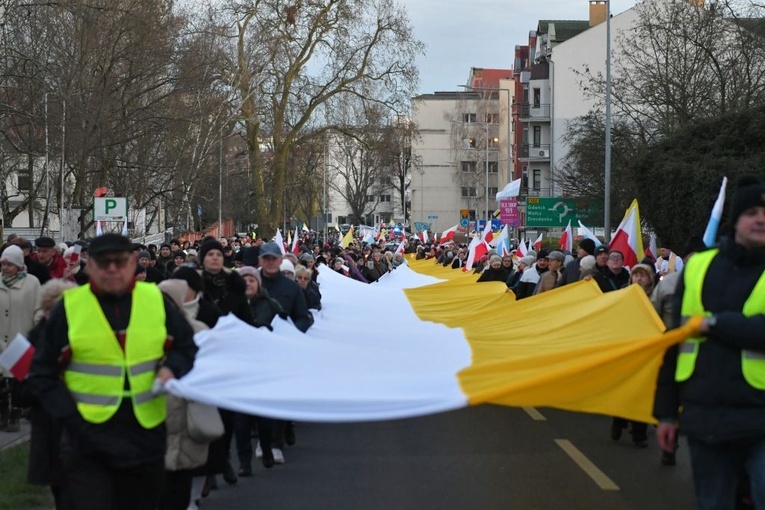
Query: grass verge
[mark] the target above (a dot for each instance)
(15, 492)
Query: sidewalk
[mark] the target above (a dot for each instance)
(11, 439)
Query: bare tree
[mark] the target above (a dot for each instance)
(294, 62)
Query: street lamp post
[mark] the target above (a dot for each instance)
(509, 138)
(63, 166)
(607, 141)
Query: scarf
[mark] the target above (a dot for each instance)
(11, 281)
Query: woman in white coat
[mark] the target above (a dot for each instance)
(19, 300)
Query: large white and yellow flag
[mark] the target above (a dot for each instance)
(426, 339)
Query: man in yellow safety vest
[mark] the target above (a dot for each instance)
(713, 385)
(106, 347)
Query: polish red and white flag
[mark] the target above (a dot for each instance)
(17, 357)
(628, 237)
(448, 235)
(566, 242)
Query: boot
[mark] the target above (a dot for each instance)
(14, 421)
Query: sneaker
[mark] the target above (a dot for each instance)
(289, 433)
(668, 458)
(278, 455)
(258, 451)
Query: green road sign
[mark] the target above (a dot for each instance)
(556, 212)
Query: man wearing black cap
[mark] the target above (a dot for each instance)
(717, 377)
(107, 345)
(571, 271)
(48, 255)
(164, 257)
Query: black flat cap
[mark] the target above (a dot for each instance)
(45, 242)
(110, 243)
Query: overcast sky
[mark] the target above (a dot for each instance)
(460, 34)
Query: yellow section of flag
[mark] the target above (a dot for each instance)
(574, 348)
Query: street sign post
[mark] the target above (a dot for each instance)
(556, 212)
(110, 208)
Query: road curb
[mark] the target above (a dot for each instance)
(15, 442)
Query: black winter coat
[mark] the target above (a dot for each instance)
(718, 404)
(494, 275)
(226, 290)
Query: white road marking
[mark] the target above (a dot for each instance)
(535, 415)
(598, 476)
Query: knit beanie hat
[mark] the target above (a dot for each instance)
(14, 255)
(588, 245)
(179, 253)
(207, 246)
(528, 260)
(750, 192)
(191, 277)
(249, 271)
(144, 254)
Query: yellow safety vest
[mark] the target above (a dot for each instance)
(752, 362)
(96, 373)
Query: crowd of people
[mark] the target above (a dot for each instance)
(112, 321)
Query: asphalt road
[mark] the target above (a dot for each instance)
(486, 457)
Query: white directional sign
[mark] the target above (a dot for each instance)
(110, 208)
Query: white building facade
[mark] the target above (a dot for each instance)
(460, 159)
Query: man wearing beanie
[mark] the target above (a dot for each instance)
(571, 270)
(164, 257)
(717, 377)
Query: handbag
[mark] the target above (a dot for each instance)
(203, 422)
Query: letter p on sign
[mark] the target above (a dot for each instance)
(110, 208)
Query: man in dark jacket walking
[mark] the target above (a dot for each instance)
(717, 377)
(103, 349)
(285, 291)
(570, 273)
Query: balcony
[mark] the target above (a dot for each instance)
(527, 192)
(531, 152)
(527, 112)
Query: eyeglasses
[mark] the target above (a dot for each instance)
(302, 278)
(615, 257)
(106, 262)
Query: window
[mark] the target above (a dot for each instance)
(468, 191)
(468, 166)
(384, 198)
(537, 136)
(24, 182)
(468, 143)
(493, 191)
(526, 94)
(537, 97)
(369, 198)
(525, 176)
(493, 167)
(468, 118)
(385, 180)
(526, 135)
(492, 118)
(537, 182)
(494, 142)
